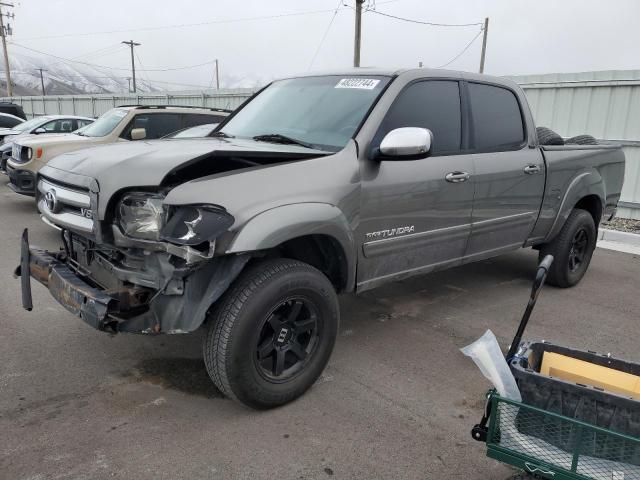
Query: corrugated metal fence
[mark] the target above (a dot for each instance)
(603, 104)
(96, 105)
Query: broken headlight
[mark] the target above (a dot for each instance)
(141, 215)
(195, 224)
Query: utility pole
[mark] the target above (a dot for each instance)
(132, 44)
(128, 84)
(217, 76)
(4, 32)
(356, 42)
(42, 79)
(484, 43)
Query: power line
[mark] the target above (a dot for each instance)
(431, 24)
(324, 36)
(463, 50)
(182, 25)
(111, 68)
(142, 70)
(99, 52)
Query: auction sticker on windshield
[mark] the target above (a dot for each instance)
(362, 83)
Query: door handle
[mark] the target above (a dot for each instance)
(457, 177)
(531, 169)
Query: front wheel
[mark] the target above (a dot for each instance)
(572, 249)
(272, 333)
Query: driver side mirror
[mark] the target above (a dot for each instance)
(138, 133)
(39, 130)
(406, 143)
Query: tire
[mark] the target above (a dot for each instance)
(546, 136)
(581, 140)
(566, 271)
(253, 317)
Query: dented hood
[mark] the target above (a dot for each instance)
(146, 163)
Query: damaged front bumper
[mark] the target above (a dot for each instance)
(52, 271)
(121, 310)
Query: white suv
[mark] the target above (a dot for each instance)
(131, 122)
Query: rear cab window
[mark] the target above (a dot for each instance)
(497, 122)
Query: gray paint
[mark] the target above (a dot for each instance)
(392, 219)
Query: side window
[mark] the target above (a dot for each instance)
(193, 119)
(156, 124)
(432, 104)
(82, 123)
(8, 122)
(497, 120)
(54, 126)
(58, 126)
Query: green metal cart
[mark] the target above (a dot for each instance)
(506, 443)
(551, 445)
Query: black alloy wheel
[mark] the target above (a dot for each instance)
(287, 339)
(578, 249)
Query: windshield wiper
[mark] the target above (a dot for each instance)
(221, 134)
(279, 138)
(80, 133)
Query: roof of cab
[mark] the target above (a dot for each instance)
(411, 72)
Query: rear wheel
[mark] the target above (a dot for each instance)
(572, 249)
(272, 333)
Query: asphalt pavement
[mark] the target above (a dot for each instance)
(397, 400)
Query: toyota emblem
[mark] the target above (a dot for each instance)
(51, 201)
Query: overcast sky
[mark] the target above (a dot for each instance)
(535, 36)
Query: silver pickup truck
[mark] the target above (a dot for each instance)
(318, 185)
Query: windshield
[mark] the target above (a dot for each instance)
(323, 112)
(103, 125)
(29, 124)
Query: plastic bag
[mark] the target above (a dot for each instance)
(486, 354)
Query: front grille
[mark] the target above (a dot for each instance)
(64, 206)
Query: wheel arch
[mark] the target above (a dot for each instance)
(315, 233)
(586, 191)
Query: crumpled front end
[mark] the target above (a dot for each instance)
(153, 296)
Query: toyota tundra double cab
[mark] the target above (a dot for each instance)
(318, 185)
(130, 122)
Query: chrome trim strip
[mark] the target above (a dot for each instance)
(66, 195)
(48, 222)
(415, 240)
(66, 219)
(386, 246)
(519, 219)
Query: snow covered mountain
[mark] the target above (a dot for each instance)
(62, 78)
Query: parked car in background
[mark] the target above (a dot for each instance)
(13, 109)
(370, 176)
(9, 121)
(130, 122)
(198, 131)
(38, 126)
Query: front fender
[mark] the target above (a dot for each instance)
(277, 225)
(584, 184)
